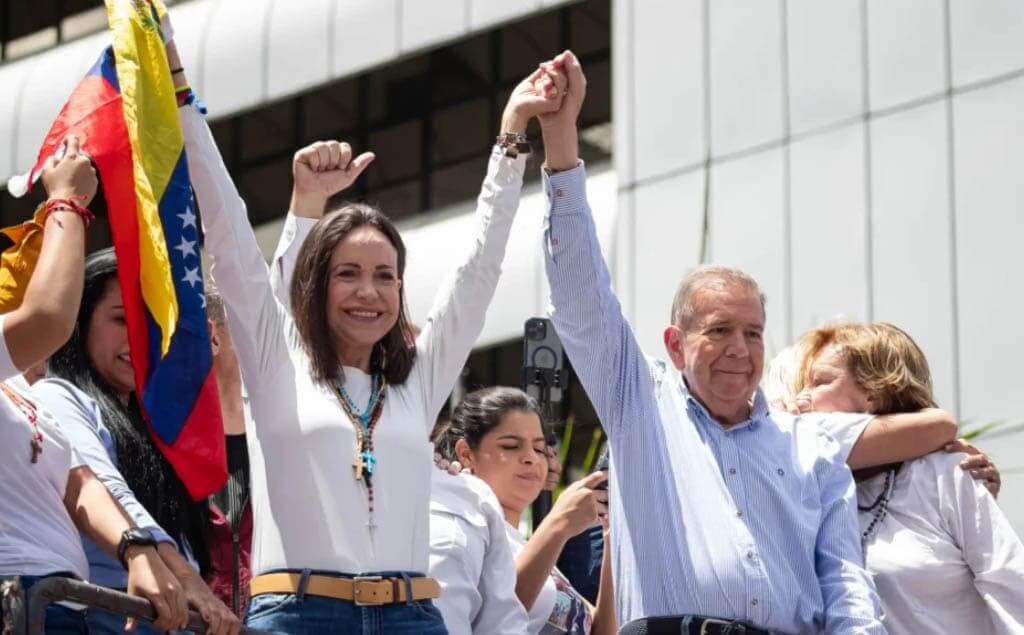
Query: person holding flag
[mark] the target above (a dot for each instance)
(342, 402)
(49, 494)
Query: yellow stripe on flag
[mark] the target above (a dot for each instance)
(151, 115)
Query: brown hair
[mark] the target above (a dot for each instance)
(884, 360)
(393, 355)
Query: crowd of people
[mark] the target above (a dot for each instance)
(836, 499)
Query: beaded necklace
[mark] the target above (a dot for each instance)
(363, 423)
(881, 506)
(29, 410)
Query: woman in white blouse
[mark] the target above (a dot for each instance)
(48, 493)
(943, 556)
(342, 404)
(496, 433)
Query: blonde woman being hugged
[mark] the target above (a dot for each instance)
(342, 402)
(943, 556)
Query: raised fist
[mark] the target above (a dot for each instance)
(321, 170)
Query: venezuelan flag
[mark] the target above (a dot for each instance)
(126, 111)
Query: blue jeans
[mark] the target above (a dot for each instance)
(60, 620)
(296, 614)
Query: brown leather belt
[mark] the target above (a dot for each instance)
(362, 590)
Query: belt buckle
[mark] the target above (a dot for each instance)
(355, 589)
(711, 620)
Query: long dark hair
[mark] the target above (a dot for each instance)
(145, 470)
(480, 412)
(394, 354)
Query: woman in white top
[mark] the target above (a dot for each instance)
(497, 434)
(47, 489)
(341, 403)
(943, 556)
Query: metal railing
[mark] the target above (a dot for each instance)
(29, 618)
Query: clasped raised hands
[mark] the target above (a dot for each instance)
(321, 170)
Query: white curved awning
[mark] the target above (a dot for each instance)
(241, 53)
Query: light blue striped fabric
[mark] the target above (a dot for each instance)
(755, 523)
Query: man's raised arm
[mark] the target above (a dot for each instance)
(587, 315)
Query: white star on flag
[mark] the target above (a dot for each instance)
(187, 219)
(192, 276)
(202, 300)
(186, 247)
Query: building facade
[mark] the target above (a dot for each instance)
(860, 158)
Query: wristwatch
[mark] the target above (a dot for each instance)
(134, 537)
(514, 144)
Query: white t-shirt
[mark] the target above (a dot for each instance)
(944, 558)
(471, 558)
(308, 510)
(37, 536)
(558, 607)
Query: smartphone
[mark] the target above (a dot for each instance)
(602, 464)
(544, 375)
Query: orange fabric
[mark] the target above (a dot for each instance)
(18, 261)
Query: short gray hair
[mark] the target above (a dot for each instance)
(717, 277)
(215, 311)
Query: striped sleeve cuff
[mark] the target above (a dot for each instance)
(566, 191)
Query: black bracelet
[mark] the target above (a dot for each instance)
(175, 71)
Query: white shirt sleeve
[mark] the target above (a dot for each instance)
(844, 427)
(471, 558)
(293, 234)
(7, 367)
(989, 544)
(457, 317)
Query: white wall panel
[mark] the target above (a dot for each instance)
(46, 91)
(668, 222)
(989, 201)
(906, 50)
(427, 23)
(298, 43)
(233, 56)
(748, 227)
(375, 22)
(486, 13)
(623, 88)
(191, 20)
(746, 74)
(16, 75)
(828, 224)
(667, 84)
(911, 239)
(824, 62)
(988, 38)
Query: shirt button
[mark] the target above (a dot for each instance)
(732, 470)
(559, 193)
(781, 472)
(750, 555)
(739, 513)
(753, 602)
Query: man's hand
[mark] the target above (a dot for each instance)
(149, 578)
(70, 176)
(321, 170)
(977, 463)
(539, 93)
(561, 144)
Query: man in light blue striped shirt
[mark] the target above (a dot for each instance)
(718, 506)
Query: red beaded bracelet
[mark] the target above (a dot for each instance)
(68, 205)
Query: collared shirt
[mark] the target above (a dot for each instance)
(471, 557)
(754, 523)
(943, 556)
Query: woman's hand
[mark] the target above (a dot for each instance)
(581, 505)
(321, 170)
(977, 463)
(541, 92)
(149, 578)
(71, 176)
(452, 467)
